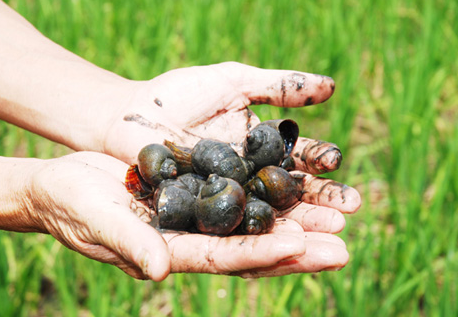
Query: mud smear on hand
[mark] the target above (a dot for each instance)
(317, 156)
(139, 119)
(158, 102)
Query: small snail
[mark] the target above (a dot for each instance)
(220, 205)
(289, 131)
(259, 217)
(135, 183)
(277, 187)
(175, 205)
(193, 182)
(214, 157)
(264, 146)
(156, 163)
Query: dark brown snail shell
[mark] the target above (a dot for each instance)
(215, 157)
(156, 163)
(175, 205)
(289, 131)
(182, 156)
(220, 205)
(277, 187)
(193, 182)
(210, 156)
(264, 146)
(288, 163)
(259, 217)
(136, 185)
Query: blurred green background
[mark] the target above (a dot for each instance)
(394, 115)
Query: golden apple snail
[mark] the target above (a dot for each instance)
(156, 163)
(277, 187)
(210, 156)
(136, 185)
(174, 204)
(264, 146)
(220, 205)
(213, 189)
(259, 217)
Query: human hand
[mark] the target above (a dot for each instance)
(87, 209)
(187, 104)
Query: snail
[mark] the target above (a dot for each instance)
(136, 185)
(174, 204)
(264, 146)
(210, 156)
(289, 131)
(220, 205)
(271, 143)
(193, 182)
(277, 187)
(259, 217)
(156, 163)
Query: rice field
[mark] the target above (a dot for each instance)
(394, 115)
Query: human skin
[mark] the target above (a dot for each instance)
(108, 119)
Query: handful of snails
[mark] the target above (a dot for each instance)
(211, 189)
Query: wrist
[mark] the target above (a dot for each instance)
(16, 206)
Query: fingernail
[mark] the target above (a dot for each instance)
(291, 258)
(337, 223)
(333, 268)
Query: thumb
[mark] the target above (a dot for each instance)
(283, 88)
(137, 243)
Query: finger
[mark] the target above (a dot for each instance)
(199, 253)
(135, 241)
(316, 157)
(285, 88)
(103, 162)
(286, 226)
(317, 218)
(329, 193)
(321, 256)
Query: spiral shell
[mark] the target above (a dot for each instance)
(156, 163)
(277, 187)
(175, 205)
(289, 131)
(136, 185)
(259, 217)
(264, 146)
(220, 205)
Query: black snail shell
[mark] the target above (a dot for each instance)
(220, 205)
(214, 157)
(259, 217)
(264, 146)
(174, 204)
(277, 187)
(193, 181)
(289, 131)
(156, 163)
(210, 156)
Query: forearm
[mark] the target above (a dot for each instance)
(16, 211)
(51, 91)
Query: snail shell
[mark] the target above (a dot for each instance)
(277, 187)
(156, 163)
(259, 217)
(136, 185)
(289, 131)
(220, 205)
(193, 182)
(215, 157)
(264, 146)
(175, 205)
